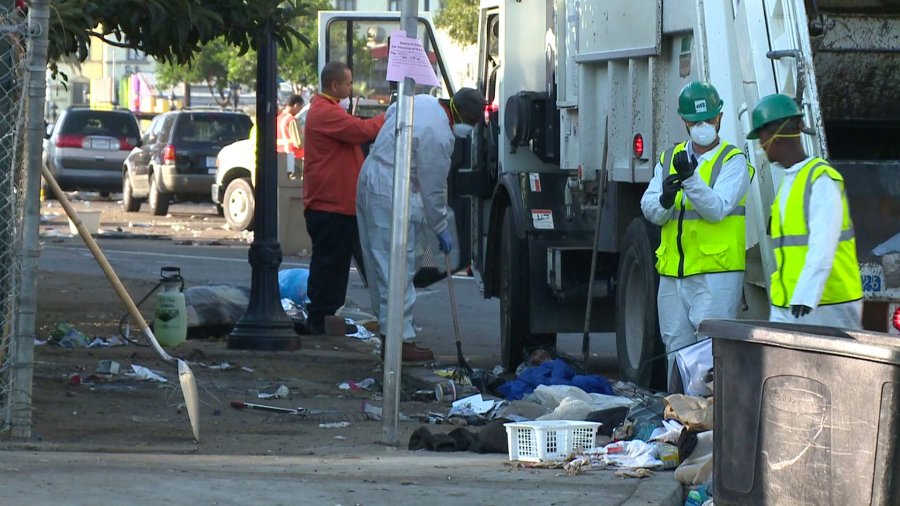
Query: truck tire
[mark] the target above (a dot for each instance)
(637, 326)
(239, 204)
(516, 338)
(158, 201)
(129, 202)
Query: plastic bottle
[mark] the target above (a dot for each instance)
(170, 322)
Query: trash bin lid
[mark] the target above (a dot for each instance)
(873, 346)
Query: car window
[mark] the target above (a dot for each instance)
(212, 128)
(165, 127)
(152, 130)
(120, 125)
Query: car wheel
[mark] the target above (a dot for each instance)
(131, 204)
(159, 202)
(239, 204)
(638, 345)
(516, 338)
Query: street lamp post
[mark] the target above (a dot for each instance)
(265, 326)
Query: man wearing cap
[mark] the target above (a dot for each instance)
(435, 125)
(817, 281)
(697, 196)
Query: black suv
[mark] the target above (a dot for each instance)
(176, 157)
(85, 148)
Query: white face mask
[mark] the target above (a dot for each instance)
(462, 129)
(345, 103)
(703, 134)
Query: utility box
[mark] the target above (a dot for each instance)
(291, 223)
(804, 414)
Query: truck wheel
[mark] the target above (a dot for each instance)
(239, 204)
(515, 334)
(637, 325)
(159, 202)
(131, 204)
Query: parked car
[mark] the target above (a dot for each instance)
(85, 148)
(235, 175)
(176, 157)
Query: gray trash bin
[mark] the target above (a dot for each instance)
(804, 414)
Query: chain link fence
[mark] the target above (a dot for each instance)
(13, 97)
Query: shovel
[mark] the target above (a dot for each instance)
(185, 375)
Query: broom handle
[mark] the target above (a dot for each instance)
(452, 299)
(104, 263)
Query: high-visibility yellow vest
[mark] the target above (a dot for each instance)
(790, 236)
(690, 245)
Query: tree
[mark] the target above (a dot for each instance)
(171, 30)
(222, 66)
(460, 19)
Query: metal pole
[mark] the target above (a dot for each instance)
(409, 14)
(23, 359)
(265, 326)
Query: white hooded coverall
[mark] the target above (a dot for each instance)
(684, 302)
(826, 214)
(432, 147)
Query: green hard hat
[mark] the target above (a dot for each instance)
(770, 109)
(699, 102)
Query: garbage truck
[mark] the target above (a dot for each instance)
(581, 103)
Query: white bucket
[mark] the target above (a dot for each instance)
(91, 221)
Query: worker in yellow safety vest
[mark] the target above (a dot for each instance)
(697, 196)
(288, 133)
(818, 280)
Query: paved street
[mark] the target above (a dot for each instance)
(141, 258)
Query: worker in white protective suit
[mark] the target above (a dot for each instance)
(435, 125)
(818, 280)
(697, 196)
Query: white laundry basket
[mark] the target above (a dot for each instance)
(538, 441)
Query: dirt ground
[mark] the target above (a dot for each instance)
(76, 408)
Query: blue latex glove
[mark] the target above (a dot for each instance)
(446, 243)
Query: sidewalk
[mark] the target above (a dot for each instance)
(383, 476)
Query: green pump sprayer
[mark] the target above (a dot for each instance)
(170, 320)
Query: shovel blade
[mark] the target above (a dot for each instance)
(191, 397)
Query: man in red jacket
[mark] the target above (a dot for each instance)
(333, 157)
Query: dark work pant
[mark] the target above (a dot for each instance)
(333, 238)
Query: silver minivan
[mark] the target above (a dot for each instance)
(86, 148)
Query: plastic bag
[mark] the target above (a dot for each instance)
(292, 285)
(693, 363)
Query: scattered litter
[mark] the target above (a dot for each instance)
(145, 419)
(340, 438)
(142, 373)
(48, 217)
(634, 473)
(696, 413)
(74, 339)
(110, 367)
(292, 285)
(474, 404)
(278, 393)
(38, 342)
(248, 369)
(221, 367)
(632, 454)
(357, 387)
(553, 372)
(107, 342)
(54, 233)
(74, 379)
(334, 425)
(374, 412)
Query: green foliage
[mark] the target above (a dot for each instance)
(220, 65)
(172, 31)
(460, 19)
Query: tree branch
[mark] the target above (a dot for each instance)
(114, 42)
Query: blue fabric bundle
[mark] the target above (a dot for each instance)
(553, 372)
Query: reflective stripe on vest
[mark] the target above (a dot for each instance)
(283, 144)
(790, 235)
(690, 245)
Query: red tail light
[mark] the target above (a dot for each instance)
(169, 154)
(69, 141)
(123, 145)
(490, 110)
(638, 146)
(22, 5)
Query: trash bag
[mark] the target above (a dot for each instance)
(292, 285)
(212, 310)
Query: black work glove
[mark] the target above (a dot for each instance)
(683, 166)
(799, 310)
(670, 187)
